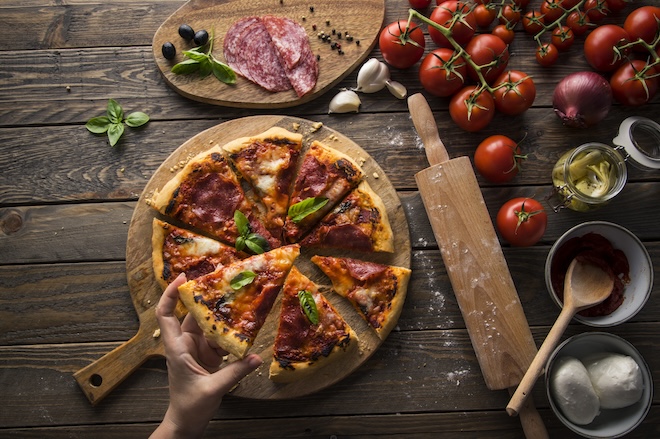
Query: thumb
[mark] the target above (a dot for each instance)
(227, 377)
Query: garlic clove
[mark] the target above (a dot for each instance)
(346, 101)
(372, 76)
(397, 89)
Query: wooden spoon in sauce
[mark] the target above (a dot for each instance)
(586, 285)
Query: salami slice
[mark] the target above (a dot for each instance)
(263, 61)
(303, 76)
(288, 37)
(232, 45)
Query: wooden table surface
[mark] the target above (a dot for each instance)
(66, 200)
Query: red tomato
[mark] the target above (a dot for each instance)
(514, 92)
(547, 54)
(562, 38)
(578, 21)
(484, 15)
(533, 22)
(522, 221)
(489, 52)
(643, 23)
(465, 23)
(596, 10)
(401, 46)
(632, 86)
(617, 5)
(498, 159)
(599, 47)
(551, 10)
(419, 4)
(441, 74)
(504, 32)
(510, 14)
(471, 109)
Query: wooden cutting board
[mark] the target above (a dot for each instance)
(475, 263)
(361, 19)
(101, 377)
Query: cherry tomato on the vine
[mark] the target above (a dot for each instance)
(599, 47)
(400, 45)
(533, 22)
(551, 10)
(504, 32)
(643, 23)
(596, 10)
(472, 109)
(522, 221)
(510, 14)
(497, 159)
(514, 92)
(631, 87)
(462, 17)
(419, 4)
(562, 38)
(441, 74)
(579, 22)
(484, 15)
(489, 52)
(547, 54)
(617, 5)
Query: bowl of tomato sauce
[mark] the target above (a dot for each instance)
(617, 250)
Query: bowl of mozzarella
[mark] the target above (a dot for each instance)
(599, 385)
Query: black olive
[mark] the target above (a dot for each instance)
(169, 51)
(201, 37)
(186, 32)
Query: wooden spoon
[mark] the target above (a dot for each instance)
(586, 285)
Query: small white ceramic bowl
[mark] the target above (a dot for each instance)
(636, 292)
(612, 423)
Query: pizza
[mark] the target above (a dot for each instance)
(311, 333)
(231, 303)
(376, 291)
(176, 250)
(359, 222)
(324, 178)
(268, 162)
(206, 194)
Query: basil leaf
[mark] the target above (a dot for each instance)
(136, 119)
(240, 243)
(257, 245)
(308, 306)
(223, 72)
(205, 68)
(242, 279)
(306, 207)
(115, 112)
(114, 133)
(98, 125)
(185, 67)
(242, 223)
(196, 55)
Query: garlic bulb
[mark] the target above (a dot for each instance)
(346, 101)
(372, 76)
(397, 89)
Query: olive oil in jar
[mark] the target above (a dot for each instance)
(588, 176)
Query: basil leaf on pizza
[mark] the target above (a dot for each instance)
(242, 279)
(256, 243)
(299, 211)
(308, 306)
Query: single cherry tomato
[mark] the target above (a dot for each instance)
(490, 53)
(462, 17)
(643, 23)
(551, 10)
(533, 22)
(617, 5)
(514, 92)
(442, 73)
(562, 38)
(547, 54)
(600, 44)
(484, 14)
(504, 32)
(596, 10)
(498, 158)
(401, 45)
(522, 221)
(472, 109)
(510, 14)
(419, 4)
(579, 22)
(632, 85)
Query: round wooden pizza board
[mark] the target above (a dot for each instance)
(361, 19)
(100, 377)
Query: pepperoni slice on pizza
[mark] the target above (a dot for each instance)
(376, 291)
(311, 333)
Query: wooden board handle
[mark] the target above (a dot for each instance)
(427, 129)
(102, 376)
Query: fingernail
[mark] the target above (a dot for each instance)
(255, 361)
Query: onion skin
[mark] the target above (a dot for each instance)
(582, 99)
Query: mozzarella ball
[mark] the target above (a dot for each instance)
(573, 392)
(616, 379)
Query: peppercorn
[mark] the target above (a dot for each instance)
(311, 9)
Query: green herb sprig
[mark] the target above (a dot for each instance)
(253, 241)
(297, 212)
(113, 122)
(204, 63)
(308, 306)
(242, 279)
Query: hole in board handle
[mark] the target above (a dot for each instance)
(96, 380)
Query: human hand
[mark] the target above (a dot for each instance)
(196, 381)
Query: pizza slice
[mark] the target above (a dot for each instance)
(359, 222)
(376, 291)
(311, 333)
(231, 304)
(268, 162)
(206, 194)
(176, 250)
(324, 178)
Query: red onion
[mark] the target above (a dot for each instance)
(582, 99)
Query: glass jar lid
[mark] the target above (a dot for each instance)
(640, 138)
